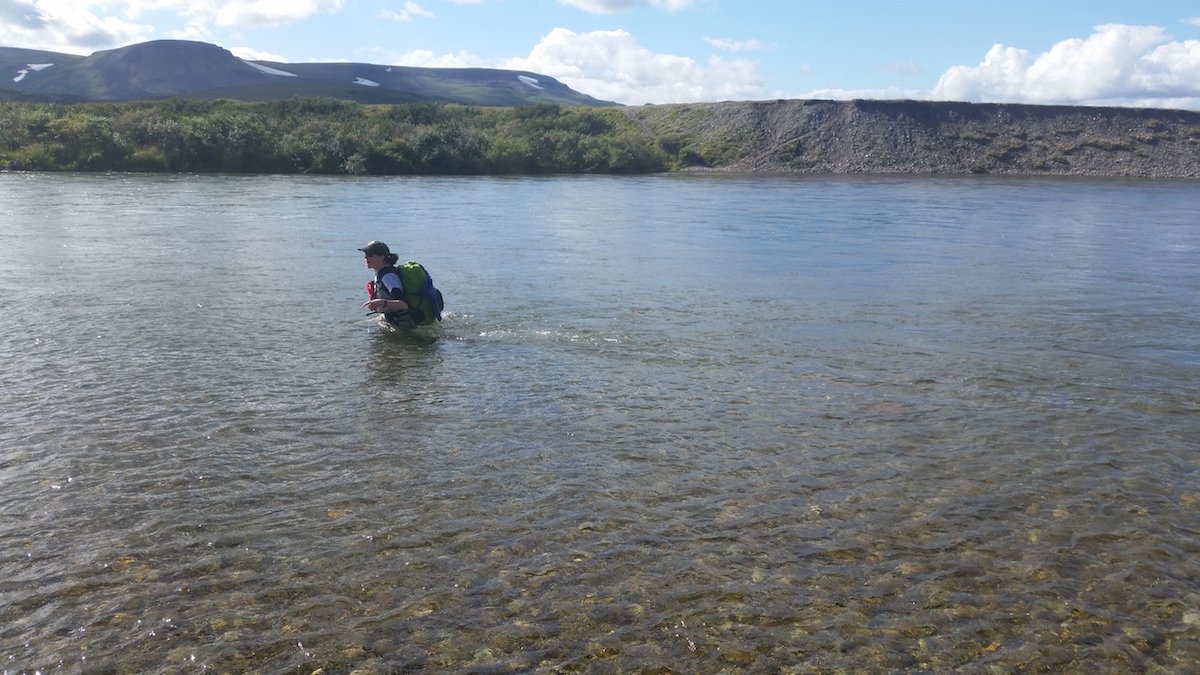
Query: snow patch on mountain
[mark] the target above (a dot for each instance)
(32, 67)
(269, 70)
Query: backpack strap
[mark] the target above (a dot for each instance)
(382, 271)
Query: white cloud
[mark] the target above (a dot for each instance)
(197, 31)
(64, 26)
(1195, 21)
(887, 94)
(248, 54)
(909, 67)
(410, 10)
(248, 13)
(603, 6)
(617, 6)
(1117, 65)
(135, 8)
(421, 58)
(257, 13)
(735, 45)
(611, 65)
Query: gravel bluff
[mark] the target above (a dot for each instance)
(922, 137)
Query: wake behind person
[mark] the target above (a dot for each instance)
(405, 295)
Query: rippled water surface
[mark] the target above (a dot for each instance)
(683, 424)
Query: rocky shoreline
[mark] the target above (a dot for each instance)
(921, 137)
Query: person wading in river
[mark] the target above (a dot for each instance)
(386, 290)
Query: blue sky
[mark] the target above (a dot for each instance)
(1093, 52)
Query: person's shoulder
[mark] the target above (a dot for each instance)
(390, 276)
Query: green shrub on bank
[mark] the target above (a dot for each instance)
(325, 136)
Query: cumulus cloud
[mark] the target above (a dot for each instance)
(673, 5)
(236, 13)
(85, 26)
(64, 26)
(422, 58)
(249, 54)
(611, 65)
(885, 94)
(909, 67)
(735, 45)
(195, 31)
(257, 13)
(617, 6)
(411, 9)
(1116, 65)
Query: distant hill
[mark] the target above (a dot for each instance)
(312, 122)
(179, 68)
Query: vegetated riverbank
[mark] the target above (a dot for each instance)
(325, 135)
(926, 137)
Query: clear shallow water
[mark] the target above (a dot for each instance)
(671, 424)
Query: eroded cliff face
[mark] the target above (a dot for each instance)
(926, 137)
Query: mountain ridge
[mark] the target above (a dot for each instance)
(182, 68)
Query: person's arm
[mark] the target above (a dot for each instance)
(381, 305)
(392, 283)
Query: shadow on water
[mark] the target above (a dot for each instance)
(403, 372)
(396, 353)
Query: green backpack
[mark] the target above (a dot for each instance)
(424, 302)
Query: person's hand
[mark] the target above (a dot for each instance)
(375, 305)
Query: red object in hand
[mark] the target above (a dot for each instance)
(370, 290)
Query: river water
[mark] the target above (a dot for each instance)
(682, 424)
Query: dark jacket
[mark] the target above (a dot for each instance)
(389, 287)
